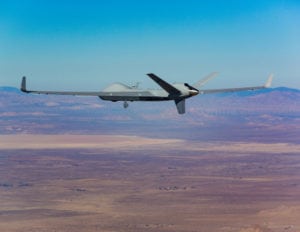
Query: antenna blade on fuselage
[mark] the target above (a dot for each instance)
(165, 85)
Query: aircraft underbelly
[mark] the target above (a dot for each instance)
(133, 96)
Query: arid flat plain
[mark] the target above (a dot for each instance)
(127, 183)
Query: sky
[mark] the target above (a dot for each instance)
(88, 44)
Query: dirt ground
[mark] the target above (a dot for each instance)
(126, 183)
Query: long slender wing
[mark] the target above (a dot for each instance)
(24, 89)
(64, 93)
(165, 85)
(203, 81)
(266, 85)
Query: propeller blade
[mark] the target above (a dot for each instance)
(205, 80)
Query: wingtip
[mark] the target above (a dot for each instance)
(23, 84)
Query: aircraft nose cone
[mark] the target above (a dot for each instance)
(194, 92)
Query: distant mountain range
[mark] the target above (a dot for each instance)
(276, 110)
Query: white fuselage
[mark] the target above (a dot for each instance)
(121, 92)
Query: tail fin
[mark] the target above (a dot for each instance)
(23, 85)
(180, 104)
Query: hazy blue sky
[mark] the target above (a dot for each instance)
(62, 44)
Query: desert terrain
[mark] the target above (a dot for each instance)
(131, 183)
(231, 164)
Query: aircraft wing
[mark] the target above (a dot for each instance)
(24, 89)
(63, 93)
(165, 85)
(266, 85)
